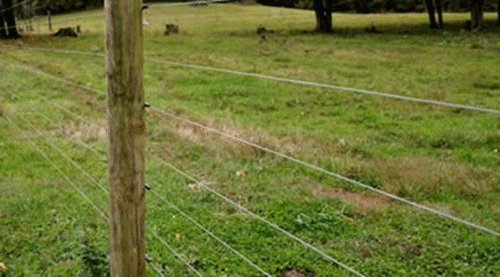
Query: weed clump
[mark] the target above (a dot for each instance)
(292, 271)
(94, 258)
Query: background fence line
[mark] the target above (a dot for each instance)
(39, 18)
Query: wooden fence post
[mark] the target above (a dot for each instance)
(126, 131)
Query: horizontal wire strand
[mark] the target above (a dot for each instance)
(299, 82)
(234, 138)
(83, 194)
(338, 176)
(275, 226)
(94, 206)
(175, 253)
(78, 141)
(61, 172)
(69, 159)
(172, 206)
(308, 245)
(467, 223)
(152, 265)
(209, 232)
(154, 192)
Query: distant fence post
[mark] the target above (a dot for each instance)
(126, 131)
(50, 20)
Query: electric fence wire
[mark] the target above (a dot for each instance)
(279, 154)
(177, 209)
(154, 192)
(94, 206)
(223, 197)
(150, 262)
(293, 81)
(75, 187)
(71, 160)
(104, 216)
(306, 244)
(190, 3)
(76, 140)
(86, 173)
(209, 233)
(175, 253)
(67, 157)
(234, 138)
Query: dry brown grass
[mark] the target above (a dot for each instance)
(224, 146)
(84, 131)
(429, 177)
(409, 177)
(363, 202)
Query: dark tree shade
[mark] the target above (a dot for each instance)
(323, 12)
(3, 30)
(477, 14)
(319, 10)
(432, 16)
(328, 15)
(498, 13)
(439, 8)
(10, 18)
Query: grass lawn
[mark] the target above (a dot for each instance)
(444, 158)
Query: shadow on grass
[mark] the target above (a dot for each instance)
(385, 29)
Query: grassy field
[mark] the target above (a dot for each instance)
(444, 158)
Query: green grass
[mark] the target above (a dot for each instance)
(444, 158)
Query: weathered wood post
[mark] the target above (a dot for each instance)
(50, 20)
(127, 131)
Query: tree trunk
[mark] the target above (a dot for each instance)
(3, 30)
(476, 14)
(432, 16)
(439, 8)
(498, 13)
(320, 15)
(10, 18)
(328, 15)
